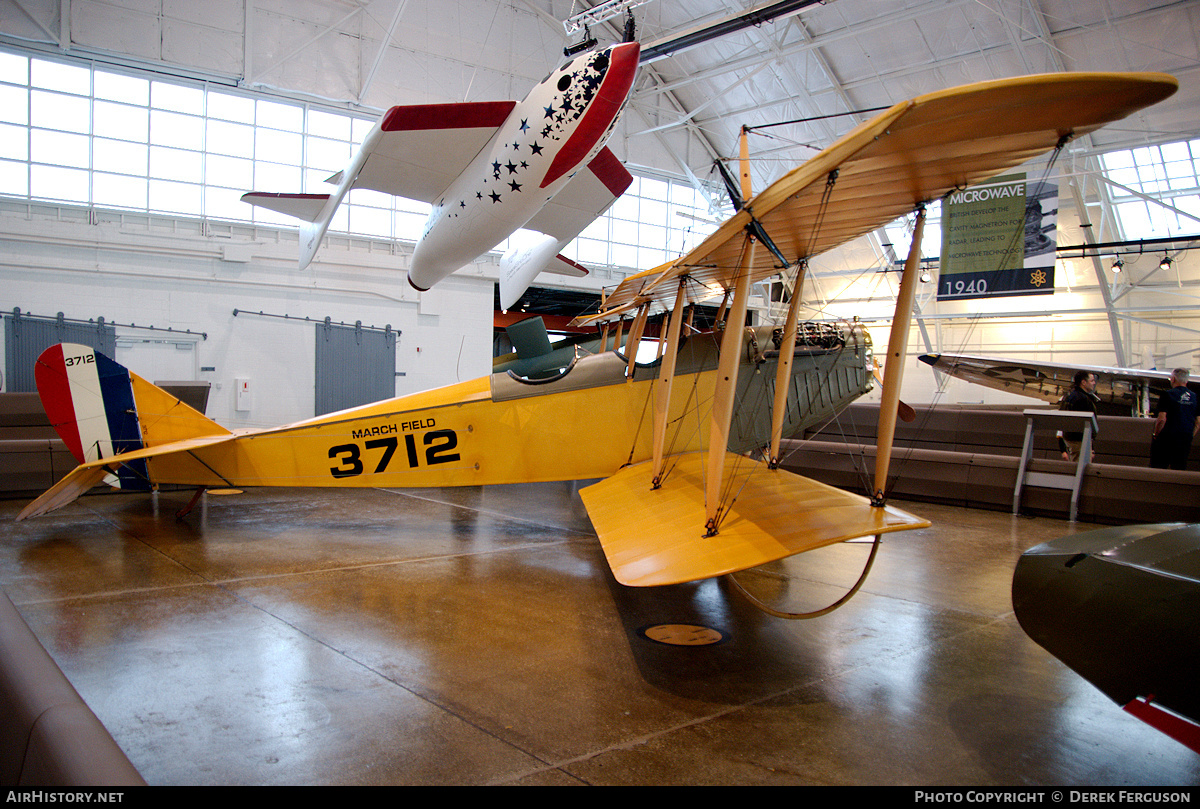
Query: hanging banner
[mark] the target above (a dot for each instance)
(998, 239)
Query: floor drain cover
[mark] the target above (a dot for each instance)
(682, 634)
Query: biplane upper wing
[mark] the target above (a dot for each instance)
(913, 153)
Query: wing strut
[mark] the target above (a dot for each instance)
(744, 164)
(783, 369)
(727, 371)
(635, 339)
(666, 376)
(897, 352)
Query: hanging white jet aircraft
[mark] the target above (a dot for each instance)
(489, 169)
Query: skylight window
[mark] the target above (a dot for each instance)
(1170, 173)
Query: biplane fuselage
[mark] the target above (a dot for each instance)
(585, 422)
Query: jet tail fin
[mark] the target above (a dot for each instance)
(315, 211)
(521, 263)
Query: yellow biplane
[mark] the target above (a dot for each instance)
(680, 498)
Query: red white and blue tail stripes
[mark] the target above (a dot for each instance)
(89, 400)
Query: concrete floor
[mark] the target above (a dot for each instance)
(467, 636)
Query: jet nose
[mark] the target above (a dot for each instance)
(623, 59)
(602, 110)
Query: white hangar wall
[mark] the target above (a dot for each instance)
(190, 276)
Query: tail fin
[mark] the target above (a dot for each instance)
(529, 255)
(316, 211)
(100, 409)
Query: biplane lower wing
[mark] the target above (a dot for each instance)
(654, 537)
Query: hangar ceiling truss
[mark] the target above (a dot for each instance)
(810, 62)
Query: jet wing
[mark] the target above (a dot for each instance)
(915, 152)
(1119, 606)
(422, 148)
(585, 197)
(1127, 390)
(776, 514)
(416, 154)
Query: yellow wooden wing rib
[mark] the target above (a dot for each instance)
(913, 153)
(656, 537)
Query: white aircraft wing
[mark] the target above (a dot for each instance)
(1127, 390)
(423, 148)
(584, 198)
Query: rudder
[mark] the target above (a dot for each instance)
(100, 409)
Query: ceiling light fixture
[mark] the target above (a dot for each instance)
(1117, 265)
(1165, 264)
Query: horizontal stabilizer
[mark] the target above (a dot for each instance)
(302, 206)
(656, 537)
(83, 477)
(561, 265)
(75, 484)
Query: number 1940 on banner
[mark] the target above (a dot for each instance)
(998, 239)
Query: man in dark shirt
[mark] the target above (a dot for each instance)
(1176, 424)
(1081, 399)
